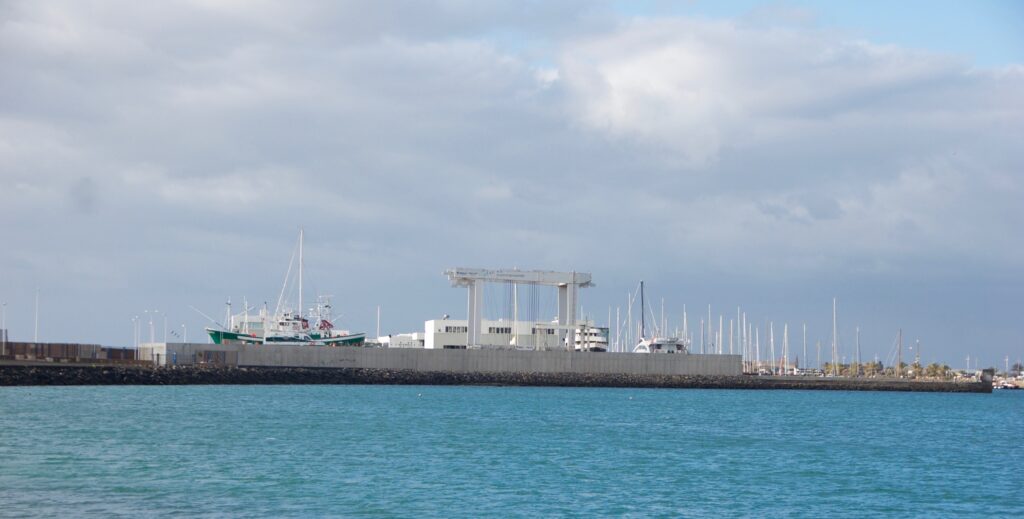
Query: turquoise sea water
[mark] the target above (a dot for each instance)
(419, 451)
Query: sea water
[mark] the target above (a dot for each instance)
(430, 451)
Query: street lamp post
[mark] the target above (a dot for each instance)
(184, 333)
(152, 333)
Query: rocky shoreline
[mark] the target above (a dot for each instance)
(65, 375)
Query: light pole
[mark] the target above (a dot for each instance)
(184, 333)
(134, 326)
(152, 335)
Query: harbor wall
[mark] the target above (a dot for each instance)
(453, 361)
(50, 374)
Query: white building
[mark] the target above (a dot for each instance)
(452, 334)
(402, 340)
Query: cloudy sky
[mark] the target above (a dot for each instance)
(769, 156)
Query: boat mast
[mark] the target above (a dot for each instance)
(805, 344)
(785, 348)
(629, 319)
(899, 355)
(857, 374)
(818, 355)
(718, 342)
(664, 325)
(686, 326)
(300, 273)
(835, 346)
(757, 348)
(515, 313)
(710, 328)
(643, 318)
(730, 335)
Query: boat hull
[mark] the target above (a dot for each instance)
(229, 337)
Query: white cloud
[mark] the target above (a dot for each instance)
(411, 137)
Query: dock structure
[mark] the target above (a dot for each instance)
(473, 279)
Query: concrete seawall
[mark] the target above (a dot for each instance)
(63, 375)
(432, 360)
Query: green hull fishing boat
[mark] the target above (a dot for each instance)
(284, 326)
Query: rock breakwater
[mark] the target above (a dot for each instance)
(64, 375)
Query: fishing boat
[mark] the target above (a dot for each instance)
(284, 325)
(656, 344)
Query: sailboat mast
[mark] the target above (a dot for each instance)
(858, 352)
(300, 273)
(785, 347)
(835, 346)
(805, 344)
(686, 325)
(899, 355)
(710, 328)
(718, 342)
(515, 313)
(731, 335)
(757, 348)
(643, 318)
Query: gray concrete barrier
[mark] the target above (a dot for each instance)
(451, 361)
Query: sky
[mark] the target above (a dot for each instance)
(768, 156)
